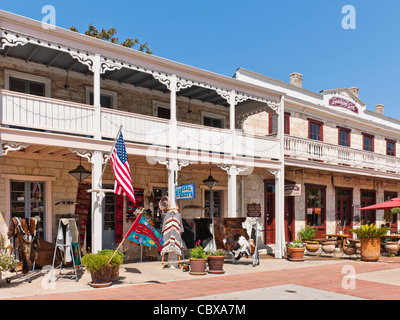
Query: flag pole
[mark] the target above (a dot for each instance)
(108, 158)
(121, 242)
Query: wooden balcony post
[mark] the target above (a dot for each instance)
(96, 96)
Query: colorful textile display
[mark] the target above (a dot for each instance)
(143, 233)
(82, 209)
(172, 229)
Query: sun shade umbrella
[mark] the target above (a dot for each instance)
(392, 203)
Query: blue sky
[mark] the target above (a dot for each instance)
(270, 37)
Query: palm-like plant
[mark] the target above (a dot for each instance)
(370, 231)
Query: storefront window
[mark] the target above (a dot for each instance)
(315, 215)
(27, 201)
(213, 203)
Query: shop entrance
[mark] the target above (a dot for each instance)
(344, 210)
(368, 198)
(269, 214)
(391, 218)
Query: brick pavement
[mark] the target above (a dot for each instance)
(328, 278)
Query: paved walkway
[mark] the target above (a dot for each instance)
(338, 279)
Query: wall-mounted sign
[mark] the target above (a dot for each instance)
(254, 210)
(293, 190)
(185, 192)
(343, 103)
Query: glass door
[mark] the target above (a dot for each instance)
(109, 220)
(27, 201)
(213, 203)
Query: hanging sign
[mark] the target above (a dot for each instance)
(293, 190)
(185, 192)
(254, 210)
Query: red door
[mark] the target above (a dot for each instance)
(289, 219)
(344, 210)
(269, 214)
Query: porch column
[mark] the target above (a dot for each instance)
(97, 199)
(97, 214)
(280, 188)
(96, 96)
(233, 172)
(173, 143)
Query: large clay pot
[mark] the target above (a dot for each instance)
(312, 246)
(370, 249)
(216, 264)
(296, 254)
(328, 246)
(392, 247)
(349, 249)
(198, 266)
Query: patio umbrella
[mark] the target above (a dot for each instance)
(392, 203)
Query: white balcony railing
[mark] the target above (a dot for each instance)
(52, 115)
(306, 149)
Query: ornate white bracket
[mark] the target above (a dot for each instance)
(274, 172)
(83, 153)
(12, 146)
(232, 169)
(172, 82)
(109, 65)
(171, 164)
(11, 39)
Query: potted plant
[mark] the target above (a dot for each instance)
(370, 238)
(296, 250)
(100, 269)
(306, 234)
(198, 260)
(216, 261)
(7, 263)
(116, 261)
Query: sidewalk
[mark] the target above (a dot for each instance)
(323, 278)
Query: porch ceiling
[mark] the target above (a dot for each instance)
(53, 58)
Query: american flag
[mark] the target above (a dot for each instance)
(119, 159)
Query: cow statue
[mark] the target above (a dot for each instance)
(236, 235)
(25, 241)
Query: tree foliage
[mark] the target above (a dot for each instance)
(109, 35)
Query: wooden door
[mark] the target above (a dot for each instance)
(289, 219)
(269, 214)
(368, 198)
(344, 210)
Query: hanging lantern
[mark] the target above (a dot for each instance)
(80, 173)
(210, 181)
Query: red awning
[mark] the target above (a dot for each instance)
(392, 203)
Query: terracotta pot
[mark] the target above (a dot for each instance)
(216, 264)
(370, 249)
(198, 266)
(312, 246)
(349, 249)
(296, 254)
(392, 247)
(102, 276)
(328, 246)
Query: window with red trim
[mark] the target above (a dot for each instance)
(390, 147)
(368, 142)
(315, 130)
(344, 137)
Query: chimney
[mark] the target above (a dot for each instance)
(379, 108)
(296, 79)
(354, 90)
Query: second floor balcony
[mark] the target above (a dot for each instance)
(316, 153)
(28, 113)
